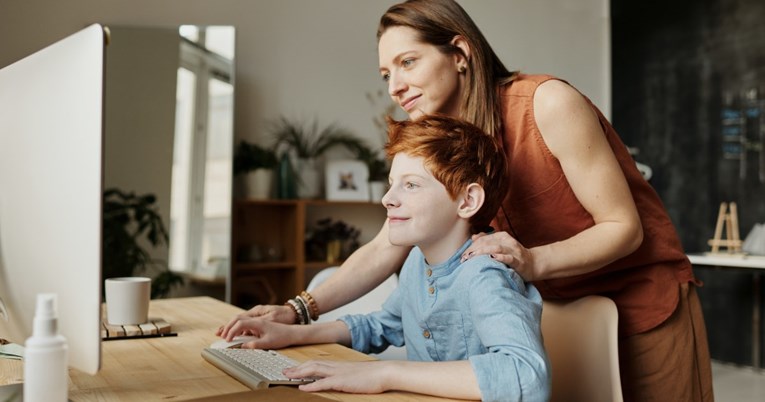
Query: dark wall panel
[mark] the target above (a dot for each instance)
(676, 66)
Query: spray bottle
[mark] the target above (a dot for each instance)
(45, 356)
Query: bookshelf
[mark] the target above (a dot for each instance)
(269, 263)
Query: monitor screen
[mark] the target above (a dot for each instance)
(51, 142)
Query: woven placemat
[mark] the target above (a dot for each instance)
(155, 327)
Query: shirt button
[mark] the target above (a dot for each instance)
(429, 272)
(431, 290)
(426, 333)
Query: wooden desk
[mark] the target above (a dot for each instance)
(757, 265)
(172, 368)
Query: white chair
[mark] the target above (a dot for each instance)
(368, 303)
(580, 337)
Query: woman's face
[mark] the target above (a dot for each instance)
(421, 79)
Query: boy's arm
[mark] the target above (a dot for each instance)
(507, 318)
(453, 379)
(514, 368)
(374, 332)
(325, 332)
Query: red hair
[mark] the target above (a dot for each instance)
(457, 154)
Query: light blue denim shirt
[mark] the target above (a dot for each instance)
(478, 310)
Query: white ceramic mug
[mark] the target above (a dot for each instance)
(127, 300)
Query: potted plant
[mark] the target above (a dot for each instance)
(130, 222)
(378, 171)
(331, 240)
(307, 143)
(308, 147)
(254, 166)
(379, 166)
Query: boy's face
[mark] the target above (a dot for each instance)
(420, 210)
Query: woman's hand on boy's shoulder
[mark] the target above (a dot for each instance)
(503, 248)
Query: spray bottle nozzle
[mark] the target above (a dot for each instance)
(45, 321)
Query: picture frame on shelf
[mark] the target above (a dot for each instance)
(347, 180)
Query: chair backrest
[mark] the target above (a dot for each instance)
(368, 303)
(580, 337)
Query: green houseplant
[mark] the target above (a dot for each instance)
(378, 172)
(308, 142)
(377, 165)
(254, 168)
(249, 157)
(131, 223)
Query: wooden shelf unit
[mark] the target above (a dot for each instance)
(268, 244)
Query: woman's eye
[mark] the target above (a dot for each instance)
(407, 62)
(410, 185)
(386, 77)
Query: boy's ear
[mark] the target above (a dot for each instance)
(471, 201)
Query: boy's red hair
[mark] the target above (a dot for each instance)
(456, 153)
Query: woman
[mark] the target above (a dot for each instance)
(578, 218)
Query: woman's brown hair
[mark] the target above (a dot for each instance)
(437, 22)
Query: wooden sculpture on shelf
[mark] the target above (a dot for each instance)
(728, 216)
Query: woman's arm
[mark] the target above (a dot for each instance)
(366, 268)
(572, 132)
(275, 335)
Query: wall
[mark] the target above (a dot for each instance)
(309, 58)
(306, 59)
(672, 69)
(139, 119)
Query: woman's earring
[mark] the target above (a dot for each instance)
(462, 69)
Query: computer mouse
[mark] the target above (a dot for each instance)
(234, 344)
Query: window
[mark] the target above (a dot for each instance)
(202, 155)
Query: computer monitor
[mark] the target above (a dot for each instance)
(51, 170)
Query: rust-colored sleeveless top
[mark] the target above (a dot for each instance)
(541, 208)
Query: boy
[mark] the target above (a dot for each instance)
(471, 329)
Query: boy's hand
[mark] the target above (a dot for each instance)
(352, 377)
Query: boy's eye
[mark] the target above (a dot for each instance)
(386, 77)
(410, 185)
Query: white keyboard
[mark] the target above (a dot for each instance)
(255, 368)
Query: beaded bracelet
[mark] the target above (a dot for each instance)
(312, 306)
(295, 309)
(304, 307)
(301, 316)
